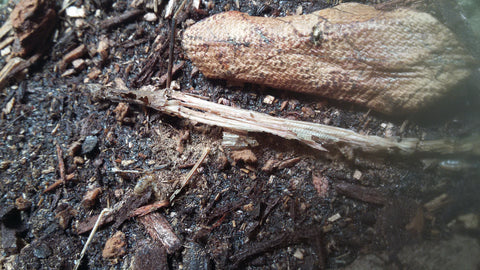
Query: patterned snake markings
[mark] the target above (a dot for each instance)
(390, 61)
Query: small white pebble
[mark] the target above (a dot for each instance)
(298, 254)
(334, 217)
(269, 99)
(150, 17)
(80, 23)
(68, 72)
(299, 10)
(389, 130)
(470, 221)
(75, 12)
(78, 64)
(127, 162)
(357, 174)
(6, 51)
(175, 85)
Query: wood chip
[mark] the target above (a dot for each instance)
(94, 73)
(320, 183)
(159, 229)
(288, 163)
(72, 55)
(246, 156)
(90, 198)
(366, 194)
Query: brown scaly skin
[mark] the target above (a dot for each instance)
(394, 62)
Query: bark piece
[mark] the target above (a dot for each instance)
(246, 156)
(90, 198)
(366, 194)
(159, 229)
(32, 22)
(150, 255)
(115, 246)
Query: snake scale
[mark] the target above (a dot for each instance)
(394, 62)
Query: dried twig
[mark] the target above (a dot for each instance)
(173, 70)
(61, 169)
(158, 168)
(90, 237)
(172, 41)
(281, 240)
(61, 164)
(70, 56)
(170, 53)
(117, 20)
(190, 174)
(314, 135)
(57, 183)
(147, 209)
(120, 212)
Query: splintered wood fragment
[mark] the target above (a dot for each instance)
(72, 55)
(147, 209)
(117, 20)
(6, 27)
(437, 203)
(6, 73)
(288, 163)
(315, 135)
(6, 42)
(169, 9)
(159, 229)
(366, 194)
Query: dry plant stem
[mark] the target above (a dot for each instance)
(6, 42)
(117, 20)
(61, 164)
(170, 53)
(6, 28)
(314, 135)
(190, 174)
(61, 169)
(90, 237)
(58, 183)
(172, 44)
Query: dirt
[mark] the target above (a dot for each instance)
(308, 209)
